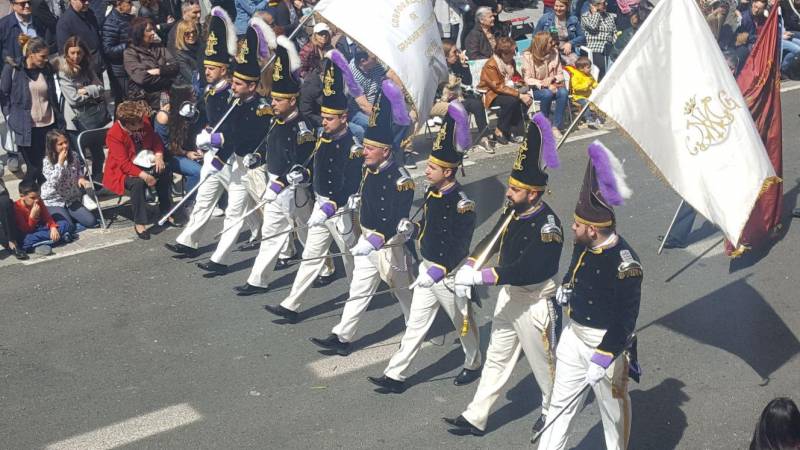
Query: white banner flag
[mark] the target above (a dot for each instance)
(401, 33)
(673, 94)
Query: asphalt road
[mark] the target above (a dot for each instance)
(126, 346)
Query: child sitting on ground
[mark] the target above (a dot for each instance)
(37, 229)
(581, 85)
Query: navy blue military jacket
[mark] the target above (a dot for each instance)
(246, 127)
(337, 172)
(215, 103)
(607, 288)
(384, 202)
(445, 230)
(290, 142)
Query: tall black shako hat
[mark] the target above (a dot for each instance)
(337, 82)
(256, 45)
(389, 107)
(453, 138)
(221, 40)
(536, 153)
(603, 188)
(287, 61)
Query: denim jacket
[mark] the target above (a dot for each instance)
(576, 36)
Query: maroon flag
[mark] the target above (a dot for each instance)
(760, 83)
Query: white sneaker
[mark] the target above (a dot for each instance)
(557, 133)
(13, 163)
(88, 202)
(218, 212)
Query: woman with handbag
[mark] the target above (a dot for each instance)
(61, 192)
(150, 67)
(84, 102)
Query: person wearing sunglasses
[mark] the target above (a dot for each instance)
(20, 21)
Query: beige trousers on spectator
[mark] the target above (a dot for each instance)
(290, 209)
(521, 323)
(206, 200)
(340, 229)
(424, 306)
(392, 265)
(575, 350)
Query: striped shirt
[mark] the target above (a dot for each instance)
(370, 81)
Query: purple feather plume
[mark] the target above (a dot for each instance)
(352, 85)
(266, 37)
(610, 177)
(398, 101)
(459, 114)
(230, 43)
(549, 151)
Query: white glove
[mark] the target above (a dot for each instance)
(354, 202)
(203, 139)
(467, 276)
(563, 295)
(252, 160)
(595, 373)
(405, 228)
(463, 291)
(423, 280)
(317, 218)
(294, 177)
(362, 247)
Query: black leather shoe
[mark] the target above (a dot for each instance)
(388, 385)
(144, 235)
(796, 212)
(248, 289)
(279, 310)
(323, 281)
(282, 263)
(332, 342)
(249, 245)
(211, 266)
(461, 427)
(537, 428)
(467, 376)
(180, 249)
(20, 254)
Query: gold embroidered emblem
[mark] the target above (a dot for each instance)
(437, 143)
(211, 44)
(708, 123)
(263, 110)
(523, 148)
(276, 70)
(373, 118)
(327, 88)
(244, 50)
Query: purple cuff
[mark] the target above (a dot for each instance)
(488, 276)
(216, 140)
(328, 208)
(275, 187)
(436, 272)
(601, 359)
(217, 163)
(376, 240)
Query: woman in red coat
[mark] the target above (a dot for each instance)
(130, 134)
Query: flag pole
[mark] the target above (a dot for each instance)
(572, 126)
(671, 224)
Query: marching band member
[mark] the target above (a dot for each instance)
(530, 248)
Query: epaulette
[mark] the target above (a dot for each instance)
(356, 150)
(405, 184)
(263, 108)
(551, 232)
(465, 204)
(304, 134)
(629, 267)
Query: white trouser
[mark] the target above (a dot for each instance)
(291, 208)
(206, 199)
(239, 201)
(392, 265)
(521, 323)
(575, 350)
(340, 229)
(424, 306)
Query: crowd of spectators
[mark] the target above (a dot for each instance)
(76, 65)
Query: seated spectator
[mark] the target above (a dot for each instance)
(480, 42)
(177, 133)
(29, 102)
(636, 17)
(37, 228)
(245, 9)
(369, 73)
(581, 85)
(8, 226)
(501, 83)
(82, 90)
(148, 64)
(779, 426)
(461, 76)
(541, 67)
(79, 20)
(61, 192)
(186, 52)
(313, 52)
(115, 40)
(565, 28)
(190, 12)
(160, 17)
(130, 134)
(752, 19)
(20, 21)
(601, 30)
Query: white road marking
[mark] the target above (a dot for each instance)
(132, 430)
(792, 87)
(334, 366)
(588, 135)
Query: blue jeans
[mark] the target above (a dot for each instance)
(679, 234)
(589, 114)
(188, 168)
(358, 124)
(792, 49)
(42, 234)
(545, 98)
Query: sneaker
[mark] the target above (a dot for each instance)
(43, 250)
(487, 145)
(218, 212)
(13, 163)
(88, 202)
(557, 133)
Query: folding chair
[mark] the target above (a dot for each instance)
(92, 139)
